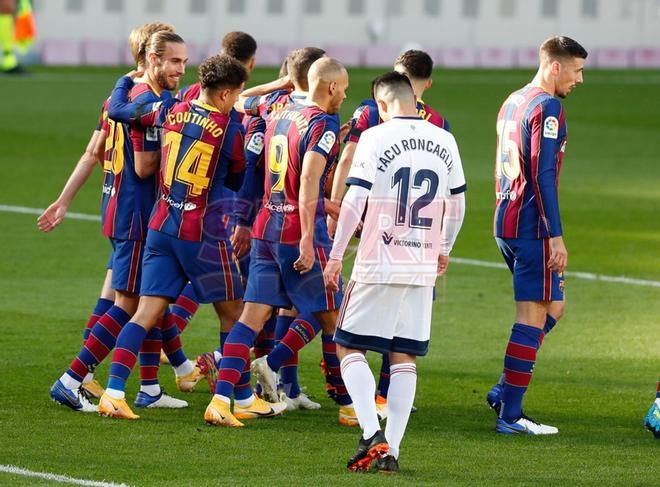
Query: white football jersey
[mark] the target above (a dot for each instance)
(410, 167)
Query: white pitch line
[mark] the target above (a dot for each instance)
(39, 211)
(14, 470)
(588, 276)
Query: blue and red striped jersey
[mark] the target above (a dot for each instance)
(127, 199)
(290, 134)
(531, 138)
(202, 153)
(366, 116)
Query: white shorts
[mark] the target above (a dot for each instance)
(385, 318)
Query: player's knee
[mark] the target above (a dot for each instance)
(556, 309)
(255, 315)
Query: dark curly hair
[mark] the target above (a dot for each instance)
(221, 71)
(418, 64)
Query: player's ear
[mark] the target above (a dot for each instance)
(555, 67)
(428, 84)
(332, 87)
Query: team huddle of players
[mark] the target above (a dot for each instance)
(231, 197)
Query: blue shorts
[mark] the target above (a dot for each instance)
(528, 261)
(169, 263)
(274, 281)
(126, 264)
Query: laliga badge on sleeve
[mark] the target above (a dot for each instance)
(551, 128)
(327, 141)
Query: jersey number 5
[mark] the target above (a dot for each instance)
(192, 168)
(401, 178)
(507, 162)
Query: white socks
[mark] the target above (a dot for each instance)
(115, 394)
(184, 369)
(245, 403)
(152, 390)
(222, 398)
(403, 382)
(361, 386)
(69, 382)
(88, 378)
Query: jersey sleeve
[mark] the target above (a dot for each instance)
(259, 106)
(365, 163)
(455, 176)
(245, 205)
(145, 138)
(146, 114)
(546, 125)
(322, 136)
(364, 117)
(103, 116)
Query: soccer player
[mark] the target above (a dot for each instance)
(652, 418)
(418, 67)
(56, 211)
(407, 168)
(203, 150)
(531, 139)
(128, 197)
(290, 237)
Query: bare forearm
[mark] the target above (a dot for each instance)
(341, 172)
(307, 201)
(81, 172)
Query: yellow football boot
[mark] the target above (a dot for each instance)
(219, 414)
(259, 409)
(94, 388)
(347, 416)
(115, 408)
(188, 382)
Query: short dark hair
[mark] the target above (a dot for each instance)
(417, 64)
(393, 80)
(239, 45)
(221, 71)
(562, 47)
(299, 61)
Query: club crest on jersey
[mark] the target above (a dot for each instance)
(256, 144)
(551, 128)
(327, 141)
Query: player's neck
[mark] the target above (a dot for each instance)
(150, 78)
(541, 81)
(318, 99)
(403, 110)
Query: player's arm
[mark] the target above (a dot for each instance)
(310, 178)
(145, 114)
(244, 205)
(54, 214)
(247, 98)
(545, 128)
(359, 180)
(454, 211)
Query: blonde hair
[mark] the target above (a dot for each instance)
(157, 43)
(138, 38)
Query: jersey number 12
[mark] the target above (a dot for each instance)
(401, 179)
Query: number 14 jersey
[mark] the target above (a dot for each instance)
(410, 167)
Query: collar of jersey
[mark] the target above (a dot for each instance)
(408, 118)
(206, 106)
(145, 81)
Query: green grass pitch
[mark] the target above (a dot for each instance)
(595, 375)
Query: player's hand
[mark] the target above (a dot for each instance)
(51, 217)
(332, 226)
(443, 263)
(558, 255)
(240, 240)
(305, 261)
(135, 73)
(331, 274)
(344, 129)
(331, 208)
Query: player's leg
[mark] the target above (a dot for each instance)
(652, 418)
(103, 304)
(9, 62)
(411, 338)
(535, 288)
(161, 281)
(103, 335)
(265, 291)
